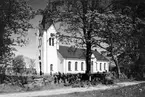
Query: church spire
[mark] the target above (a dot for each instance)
(46, 21)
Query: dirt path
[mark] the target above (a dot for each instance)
(69, 90)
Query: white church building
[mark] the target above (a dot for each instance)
(53, 57)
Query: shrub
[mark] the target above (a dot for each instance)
(30, 71)
(45, 79)
(16, 80)
(2, 78)
(109, 78)
(80, 80)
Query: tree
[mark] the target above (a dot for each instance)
(19, 64)
(76, 14)
(14, 21)
(94, 25)
(32, 63)
(115, 34)
(135, 9)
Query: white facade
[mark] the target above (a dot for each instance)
(50, 61)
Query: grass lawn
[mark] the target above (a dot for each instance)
(129, 91)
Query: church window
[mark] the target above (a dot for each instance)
(100, 66)
(104, 66)
(50, 41)
(76, 66)
(40, 42)
(40, 68)
(40, 55)
(82, 66)
(96, 66)
(69, 66)
(51, 67)
(92, 63)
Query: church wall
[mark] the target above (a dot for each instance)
(93, 63)
(95, 67)
(60, 63)
(73, 66)
(51, 57)
(101, 68)
(40, 52)
(51, 52)
(44, 57)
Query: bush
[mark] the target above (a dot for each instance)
(2, 78)
(47, 79)
(30, 71)
(80, 80)
(16, 80)
(108, 79)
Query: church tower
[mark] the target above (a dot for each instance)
(47, 48)
(51, 50)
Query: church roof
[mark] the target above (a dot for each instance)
(99, 56)
(71, 52)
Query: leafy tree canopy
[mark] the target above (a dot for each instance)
(14, 21)
(19, 64)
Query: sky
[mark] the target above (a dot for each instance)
(30, 49)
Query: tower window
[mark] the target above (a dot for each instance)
(69, 66)
(50, 41)
(40, 42)
(96, 67)
(92, 63)
(40, 55)
(51, 67)
(76, 66)
(40, 68)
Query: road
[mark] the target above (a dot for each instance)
(69, 90)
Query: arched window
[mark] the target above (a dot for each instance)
(92, 63)
(40, 42)
(100, 66)
(76, 66)
(40, 68)
(69, 66)
(50, 41)
(104, 66)
(96, 66)
(40, 55)
(51, 67)
(82, 66)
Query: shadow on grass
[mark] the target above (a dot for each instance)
(129, 91)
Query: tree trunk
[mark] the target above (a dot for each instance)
(117, 66)
(1, 38)
(88, 55)
(88, 61)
